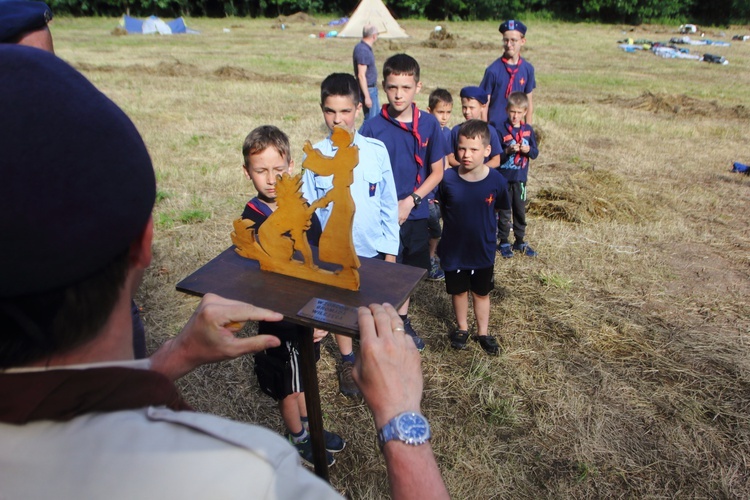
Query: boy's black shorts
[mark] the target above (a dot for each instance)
(278, 369)
(414, 245)
(479, 281)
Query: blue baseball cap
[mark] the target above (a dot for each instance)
(78, 185)
(21, 16)
(477, 93)
(513, 25)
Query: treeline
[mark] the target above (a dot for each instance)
(715, 12)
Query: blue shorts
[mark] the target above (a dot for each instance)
(480, 281)
(433, 221)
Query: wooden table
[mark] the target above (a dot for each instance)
(322, 306)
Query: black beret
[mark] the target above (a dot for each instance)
(513, 25)
(77, 184)
(21, 16)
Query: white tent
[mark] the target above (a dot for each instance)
(376, 13)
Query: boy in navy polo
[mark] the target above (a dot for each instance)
(519, 146)
(509, 73)
(469, 195)
(266, 155)
(417, 150)
(375, 230)
(474, 107)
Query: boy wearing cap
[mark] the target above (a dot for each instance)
(519, 146)
(470, 195)
(473, 107)
(509, 73)
(417, 151)
(375, 230)
(266, 156)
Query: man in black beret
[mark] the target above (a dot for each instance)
(25, 22)
(79, 417)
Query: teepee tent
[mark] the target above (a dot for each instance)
(376, 13)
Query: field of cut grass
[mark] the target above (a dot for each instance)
(625, 369)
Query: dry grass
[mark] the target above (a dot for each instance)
(625, 370)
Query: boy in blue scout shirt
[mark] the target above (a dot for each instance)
(473, 107)
(509, 73)
(440, 105)
(470, 195)
(375, 229)
(417, 149)
(267, 155)
(519, 146)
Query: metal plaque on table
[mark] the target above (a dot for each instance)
(331, 313)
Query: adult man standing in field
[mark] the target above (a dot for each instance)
(509, 73)
(366, 72)
(75, 408)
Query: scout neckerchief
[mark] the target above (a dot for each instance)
(518, 158)
(62, 395)
(511, 73)
(258, 206)
(414, 131)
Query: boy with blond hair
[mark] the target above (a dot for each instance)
(417, 151)
(470, 195)
(519, 146)
(266, 156)
(375, 229)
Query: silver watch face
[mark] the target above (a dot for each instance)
(413, 428)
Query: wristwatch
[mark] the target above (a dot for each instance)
(417, 199)
(410, 427)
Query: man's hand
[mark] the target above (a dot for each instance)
(388, 369)
(209, 336)
(368, 101)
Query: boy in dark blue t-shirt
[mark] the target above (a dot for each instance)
(519, 146)
(417, 149)
(470, 195)
(266, 155)
(509, 73)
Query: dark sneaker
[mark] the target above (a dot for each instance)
(306, 453)
(347, 387)
(334, 442)
(458, 339)
(488, 343)
(436, 273)
(524, 249)
(505, 250)
(410, 332)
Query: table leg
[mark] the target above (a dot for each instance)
(312, 401)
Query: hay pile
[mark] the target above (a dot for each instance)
(587, 196)
(679, 105)
(441, 39)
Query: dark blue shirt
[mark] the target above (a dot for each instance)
(495, 82)
(469, 223)
(402, 148)
(363, 55)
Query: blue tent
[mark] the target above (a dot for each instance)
(155, 25)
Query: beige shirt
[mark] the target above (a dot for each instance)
(151, 453)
